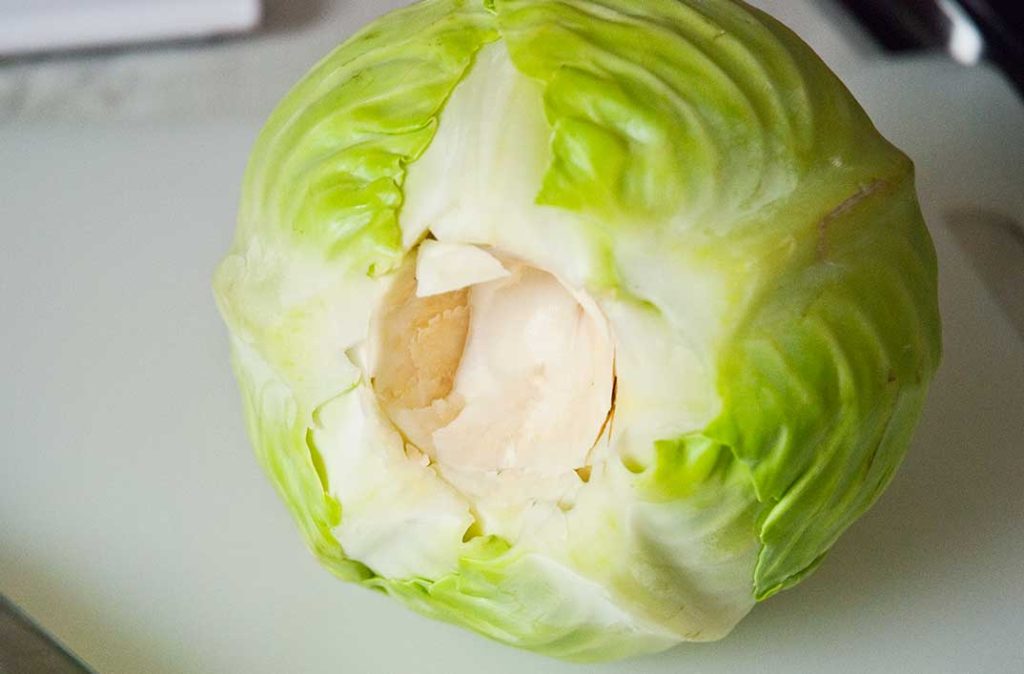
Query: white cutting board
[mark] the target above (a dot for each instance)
(136, 525)
(28, 26)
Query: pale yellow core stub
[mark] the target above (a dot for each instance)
(504, 368)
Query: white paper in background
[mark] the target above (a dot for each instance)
(31, 26)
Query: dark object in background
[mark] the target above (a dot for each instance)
(969, 30)
(27, 649)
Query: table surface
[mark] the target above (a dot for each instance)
(137, 527)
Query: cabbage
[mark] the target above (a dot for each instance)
(585, 324)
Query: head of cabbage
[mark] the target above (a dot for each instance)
(585, 324)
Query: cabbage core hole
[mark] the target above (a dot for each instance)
(486, 363)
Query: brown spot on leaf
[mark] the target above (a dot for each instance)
(862, 193)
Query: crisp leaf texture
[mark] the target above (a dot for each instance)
(695, 177)
(331, 161)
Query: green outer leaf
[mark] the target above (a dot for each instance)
(710, 118)
(686, 466)
(703, 119)
(510, 597)
(662, 108)
(279, 434)
(326, 175)
(694, 528)
(329, 165)
(823, 383)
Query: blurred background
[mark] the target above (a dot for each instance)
(146, 59)
(136, 528)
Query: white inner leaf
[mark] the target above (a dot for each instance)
(443, 267)
(509, 373)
